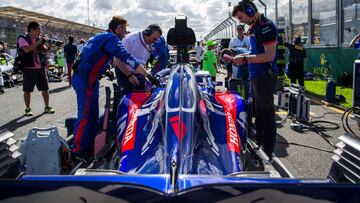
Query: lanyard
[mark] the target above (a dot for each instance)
(143, 43)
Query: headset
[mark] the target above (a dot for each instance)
(247, 8)
(151, 29)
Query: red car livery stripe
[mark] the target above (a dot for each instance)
(202, 106)
(228, 101)
(178, 127)
(137, 100)
(89, 91)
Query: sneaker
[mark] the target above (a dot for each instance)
(49, 110)
(28, 112)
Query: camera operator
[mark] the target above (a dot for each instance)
(262, 70)
(97, 54)
(33, 59)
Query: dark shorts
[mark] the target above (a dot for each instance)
(34, 77)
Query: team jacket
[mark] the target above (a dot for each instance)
(98, 53)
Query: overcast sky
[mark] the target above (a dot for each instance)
(203, 15)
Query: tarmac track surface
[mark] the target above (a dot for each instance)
(306, 155)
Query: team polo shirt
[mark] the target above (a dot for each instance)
(24, 43)
(70, 51)
(98, 54)
(261, 34)
(136, 45)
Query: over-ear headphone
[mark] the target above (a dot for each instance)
(248, 9)
(151, 29)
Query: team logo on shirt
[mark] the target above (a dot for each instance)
(265, 30)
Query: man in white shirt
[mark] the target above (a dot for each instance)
(80, 46)
(139, 45)
(199, 53)
(240, 40)
(239, 74)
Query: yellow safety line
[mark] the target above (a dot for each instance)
(334, 109)
(329, 107)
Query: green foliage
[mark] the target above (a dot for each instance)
(318, 89)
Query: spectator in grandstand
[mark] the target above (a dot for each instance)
(32, 50)
(98, 52)
(70, 51)
(80, 46)
(262, 70)
(159, 55)
(139, 45)
(355, 43)
(209, 60)
(239, 74)
(296, 61)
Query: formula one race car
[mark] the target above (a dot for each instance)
(181, 142)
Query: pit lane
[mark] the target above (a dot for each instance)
(306, 155)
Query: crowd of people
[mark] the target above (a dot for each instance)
(250, 60)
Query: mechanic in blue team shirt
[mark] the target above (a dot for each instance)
(262, 70)
(160, 55)
(355, 43)
(95, 58)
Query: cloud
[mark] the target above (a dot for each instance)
(102, 4)
(70, 6)
(203, 15)
(157, 6)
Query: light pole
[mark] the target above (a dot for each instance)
(88, 11)
(229, 5)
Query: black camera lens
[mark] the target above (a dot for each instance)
(55, 42)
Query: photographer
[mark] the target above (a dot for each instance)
(33, 59)
(262, 70)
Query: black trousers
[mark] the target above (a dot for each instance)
(263, 88)
(296, 72)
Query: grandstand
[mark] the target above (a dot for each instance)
(13, 21)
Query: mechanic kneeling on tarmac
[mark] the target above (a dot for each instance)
(98, 52)
(262, 70)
